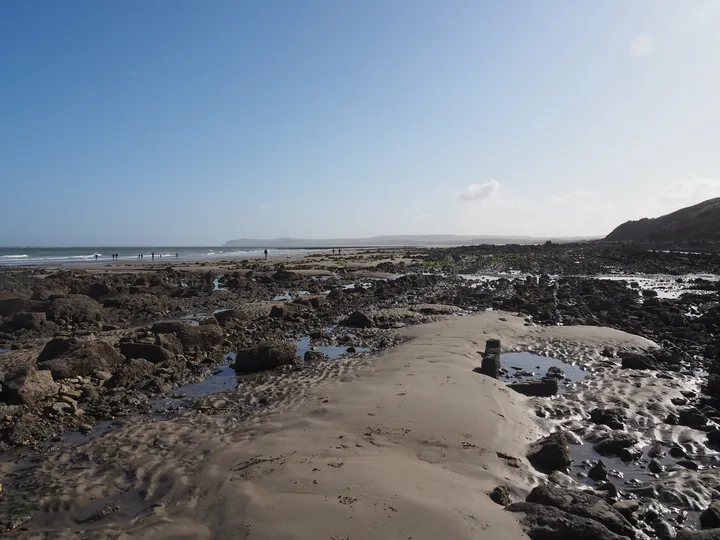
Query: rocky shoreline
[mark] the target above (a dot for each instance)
(82, 349)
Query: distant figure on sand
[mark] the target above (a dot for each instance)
(96, 256)
(266, 254)
(333, 251)
(177, 256)
(338, 251)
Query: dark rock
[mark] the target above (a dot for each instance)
(583, 504)
(691, 417)
(490, 365)
(169, 342)
(23, 384)
(312, 356)
(677, 452)
(550, 523)
(336, 294)
(10, 306)
(614, 442)
(358, 319)
(137, 373)
(29, 320)
(316, 301)
(154, 353)
(636, 361)
(713, 438)
(656, 467)
(688, 464)
(266, 355)
(609, 488)
(76, 308)
(168, 327)
(712, 387)
(286, 275)
(56, 347)
(710, 518)
(286, 310)
(544, 387)
(98, 291)
(598, 472)
(84, 359)
(550, 453)
(629, 509)
(228, 316)
(493, 346)
(193, 338)
(555, 373)
(613, 418)
(663, 529)
(501, 495)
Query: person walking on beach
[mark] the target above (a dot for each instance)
(153, 255)
(177, 256)
(266, 254)
(96, 256)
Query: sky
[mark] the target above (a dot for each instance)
(176, 122)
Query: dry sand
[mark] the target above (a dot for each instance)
(405, 446)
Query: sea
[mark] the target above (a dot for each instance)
(25, 256)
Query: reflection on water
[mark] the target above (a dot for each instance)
(525, 365)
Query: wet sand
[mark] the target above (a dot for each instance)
(403, 445)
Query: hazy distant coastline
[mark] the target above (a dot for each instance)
(395, 241)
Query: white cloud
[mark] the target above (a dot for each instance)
(642, 45)
(479, 192)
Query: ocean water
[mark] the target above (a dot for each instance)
(21, 256)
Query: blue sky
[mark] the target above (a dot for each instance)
(186, 122)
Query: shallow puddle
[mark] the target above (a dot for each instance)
(631, 477)
(289, 297)
(331, 351)
(525, 365)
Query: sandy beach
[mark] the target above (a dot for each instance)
(410, 442)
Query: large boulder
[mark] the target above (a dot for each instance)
(613, 443)
(230, 316)
(193, 338)
(549, 523)
(99, 291)
(169, 342)
(154, 353)
(710, 518)
(613, 418)
(545, 387)
(266, 355)
(285, 275)
(200, 338)
(286, 310)
(23, 384)
(583, 504)
(83, 359)
(137, 373)
(551, 453)
(358, 319)
(637, 361)
(76, 308)
(29, 320)
(10, 306)
(57, 346)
